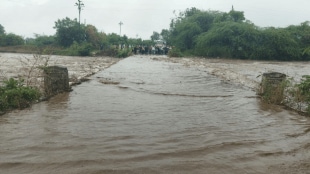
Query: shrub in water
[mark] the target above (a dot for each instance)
(15, 95)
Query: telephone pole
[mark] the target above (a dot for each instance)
(120, 28)
(80, 6)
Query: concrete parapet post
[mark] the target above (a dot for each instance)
(272, 87)
(56, 80)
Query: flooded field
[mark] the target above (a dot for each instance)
(158, 115)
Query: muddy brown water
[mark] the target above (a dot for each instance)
(154, 117)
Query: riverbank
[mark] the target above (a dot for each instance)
(24, 65)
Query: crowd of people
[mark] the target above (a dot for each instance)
(147, 50)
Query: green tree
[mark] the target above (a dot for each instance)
(165, 34)
(278, 44)
(236, 16)
(69, 31)
(114, 39)
(11, 40)
(2, 31)
(228, 39)
(301, 34)
(155, 36)
(92, 35)
(135, 42)
(185, 28)
(246, 41)
(218, 34)
(43, 40)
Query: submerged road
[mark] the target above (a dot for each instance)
(142, 115)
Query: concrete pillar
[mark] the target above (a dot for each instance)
(272, 87)
(56, 80)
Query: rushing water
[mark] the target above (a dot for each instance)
(153, 117)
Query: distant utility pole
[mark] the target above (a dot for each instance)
(80, 6)
(120, 28)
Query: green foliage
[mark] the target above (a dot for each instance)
(175, 52)
(299, 94)
(14, 95)
(230, 35)
(11, 40)
(228, 39)
(114, 39)
(84, 49)
(236, 16)
(93, 36)
(189, 25)
(124, 53)
(69, 31)
(112, 52)
(304, 87)
(76, 49)
(155, 36)
(2, 31)
(165, 34)
(43, 40)
(147, 43)
(277, 44)
(245, 41)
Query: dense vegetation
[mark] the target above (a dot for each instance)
(9, 39)
(74, 39)
(192, 32)
(230, 35)
(15, 95)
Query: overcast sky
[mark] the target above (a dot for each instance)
(140, 17)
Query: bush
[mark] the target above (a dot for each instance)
(124, 53)
(304, 89)
(84, 49)
(111, 52)
(175, 52)
(76, 49)
(14, 95)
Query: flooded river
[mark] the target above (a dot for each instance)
(147, 116)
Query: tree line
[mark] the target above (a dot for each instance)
(230, 35)
(192, 32)
(75, 39)
(9, 39)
